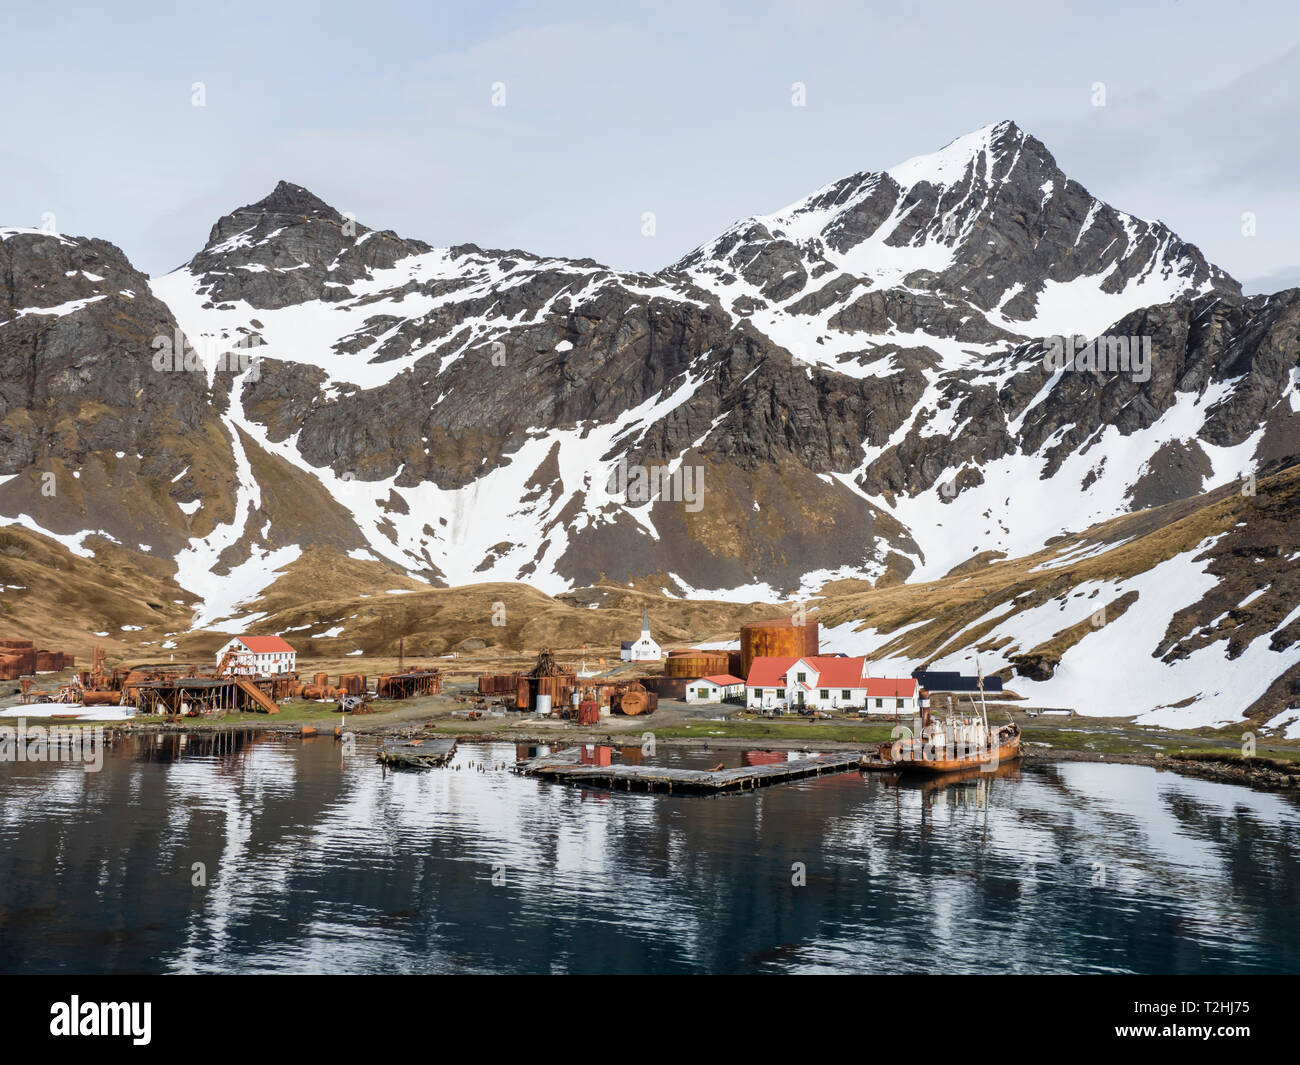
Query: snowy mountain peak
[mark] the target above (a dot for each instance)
(988, 228)
(985, 146)
(853, 375)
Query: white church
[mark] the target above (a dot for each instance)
(643, 648)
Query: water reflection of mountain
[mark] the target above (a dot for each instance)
(317, 861)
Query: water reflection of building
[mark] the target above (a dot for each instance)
(225, 744)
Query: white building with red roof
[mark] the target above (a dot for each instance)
(714, 689)
(824, 682)
(264, 655)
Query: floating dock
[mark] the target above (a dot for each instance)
(417, 754)
(565, 767)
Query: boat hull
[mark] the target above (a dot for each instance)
(1007, 750)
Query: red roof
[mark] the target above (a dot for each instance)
(889, 687)
(838, 672)
(769, 672)
(266, 645)
(829, 672)
(723, 680)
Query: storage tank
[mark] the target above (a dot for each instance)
(779, 638)
(634, 701)
(543, 704)
(23, 652)
(692, 663)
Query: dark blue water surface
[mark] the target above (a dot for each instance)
(318, 861)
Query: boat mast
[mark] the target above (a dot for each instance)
(984, 710)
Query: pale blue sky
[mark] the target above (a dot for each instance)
(683, 109)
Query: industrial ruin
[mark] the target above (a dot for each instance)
(552, 688)
(244, 681)
(21, 658)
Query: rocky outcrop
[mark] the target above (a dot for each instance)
(292, 247)
(100, 427)
(839, 374)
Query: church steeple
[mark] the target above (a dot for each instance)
(643, 648)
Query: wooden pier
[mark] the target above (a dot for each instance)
(202, 695)
(565, 767)
(418, 753)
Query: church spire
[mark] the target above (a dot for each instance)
(645, 620)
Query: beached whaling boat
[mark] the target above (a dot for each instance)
(955, 743)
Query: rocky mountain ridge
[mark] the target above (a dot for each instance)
(862, 381)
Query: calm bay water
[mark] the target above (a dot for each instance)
(317, 862)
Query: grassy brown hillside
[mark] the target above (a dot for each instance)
(331, 606)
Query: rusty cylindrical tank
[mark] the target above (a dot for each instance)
(780, 638)
(633, 701)
(693, 663)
